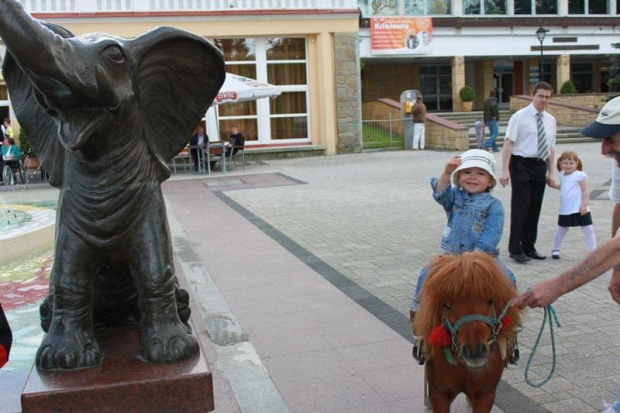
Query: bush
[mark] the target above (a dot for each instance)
(568, 87)
(467, 94)
(24, 145)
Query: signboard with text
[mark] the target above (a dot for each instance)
(401, 35)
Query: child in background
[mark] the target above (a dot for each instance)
(475, 217)
(574, 199)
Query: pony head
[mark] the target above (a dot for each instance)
(465, 285)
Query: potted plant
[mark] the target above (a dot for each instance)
(568, 87)
(31, 161)
(467, 95)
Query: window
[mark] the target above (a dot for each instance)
(540, 6)
(592, 6)
(486, 7)
(581, 75)
(281, 62)
(427, 7)
(286, 67)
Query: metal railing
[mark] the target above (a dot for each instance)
(124, 6)
(385, 133)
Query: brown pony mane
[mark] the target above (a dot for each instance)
(469, 276)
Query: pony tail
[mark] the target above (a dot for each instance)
(579, 164)
(558, 164)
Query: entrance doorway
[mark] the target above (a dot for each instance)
(503, 85)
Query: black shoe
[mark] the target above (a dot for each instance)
(535, 255)
(521, 257)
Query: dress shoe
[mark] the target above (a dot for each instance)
(521, 257)
(535, 255)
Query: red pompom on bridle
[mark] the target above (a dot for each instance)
(440, 337)
(506, 322)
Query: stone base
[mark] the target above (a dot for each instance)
(122, 382)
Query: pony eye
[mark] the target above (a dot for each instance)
(491, 302)
(447, 306)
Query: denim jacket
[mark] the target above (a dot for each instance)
(475, 221)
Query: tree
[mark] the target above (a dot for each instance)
(614, 71)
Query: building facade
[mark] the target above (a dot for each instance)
(491, 44)
(306, 47)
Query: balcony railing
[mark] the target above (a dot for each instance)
(125, 6)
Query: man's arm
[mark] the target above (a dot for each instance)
(506, 153)
(550, 167)
(595, 264)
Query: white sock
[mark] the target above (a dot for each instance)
(559, 237)
(588, 231)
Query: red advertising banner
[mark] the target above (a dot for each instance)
(401, 35)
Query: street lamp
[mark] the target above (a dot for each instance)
(541, 33)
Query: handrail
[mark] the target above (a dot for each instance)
(429, 116)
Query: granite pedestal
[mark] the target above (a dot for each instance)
(122, 382)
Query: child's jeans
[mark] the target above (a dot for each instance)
(422, 278)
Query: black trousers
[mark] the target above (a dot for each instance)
(528, 178)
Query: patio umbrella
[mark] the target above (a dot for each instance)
(241, 89)
(237, 89)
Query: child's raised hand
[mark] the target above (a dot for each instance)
(452, 164)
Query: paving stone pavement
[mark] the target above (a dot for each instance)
(372, 218)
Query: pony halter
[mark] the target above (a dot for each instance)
(494, 322)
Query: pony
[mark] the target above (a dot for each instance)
(468, 327)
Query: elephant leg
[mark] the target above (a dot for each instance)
(163, 337)
(70, 342)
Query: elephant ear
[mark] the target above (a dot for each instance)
(40, 127)
(177, 77)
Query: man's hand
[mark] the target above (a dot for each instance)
(550, 180)
(614, 284)
(505, 178)
(541, 295)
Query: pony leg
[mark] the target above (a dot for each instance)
(483, 404)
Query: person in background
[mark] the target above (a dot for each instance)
(419, 124)
(491, 119)
(235, 141)
(574, 200)
(11, 153)
(197, 142)
(6, 338)
(527, 160)
(7, 130)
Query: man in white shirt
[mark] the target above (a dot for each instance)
(527, 160)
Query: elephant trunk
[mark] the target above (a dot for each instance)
(50, 61)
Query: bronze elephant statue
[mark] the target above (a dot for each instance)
(106, 116)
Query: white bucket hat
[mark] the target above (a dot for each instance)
(477, 158)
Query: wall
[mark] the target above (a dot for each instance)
(440, 133)
(568, 114)
(348, 92)
(387, 81)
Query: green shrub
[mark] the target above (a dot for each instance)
(568, 87)
(467, 94)
(24, 145)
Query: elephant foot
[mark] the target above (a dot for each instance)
(167, 342)
(73, 349)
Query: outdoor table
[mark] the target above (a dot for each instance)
(215, 148)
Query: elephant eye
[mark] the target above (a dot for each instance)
(114, 53)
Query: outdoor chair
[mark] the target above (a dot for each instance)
(234, 151)
(184, 160)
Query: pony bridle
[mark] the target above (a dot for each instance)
(494, 322)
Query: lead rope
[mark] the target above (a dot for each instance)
(553, 317)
